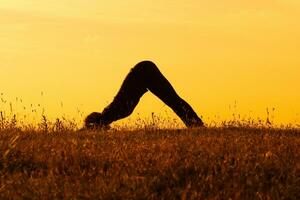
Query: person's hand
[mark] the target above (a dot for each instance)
(94, 121)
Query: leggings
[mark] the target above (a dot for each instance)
(143, 77)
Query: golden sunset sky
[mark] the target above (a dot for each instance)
(222, 56)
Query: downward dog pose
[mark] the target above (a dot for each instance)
(143, 77)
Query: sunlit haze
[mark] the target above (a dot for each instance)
(222, 56)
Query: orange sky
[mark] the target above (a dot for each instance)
(215, 53)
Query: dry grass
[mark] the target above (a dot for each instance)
(57, 161)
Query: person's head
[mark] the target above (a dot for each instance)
(93, 120)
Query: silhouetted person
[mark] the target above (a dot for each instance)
(143, 77)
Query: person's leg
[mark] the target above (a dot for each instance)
(161, 87)
(145, 75)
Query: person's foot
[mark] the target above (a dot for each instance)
(195, 123)
(95, 121)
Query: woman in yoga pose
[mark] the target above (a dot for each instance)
(143, 77)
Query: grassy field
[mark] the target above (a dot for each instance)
(208, 163)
